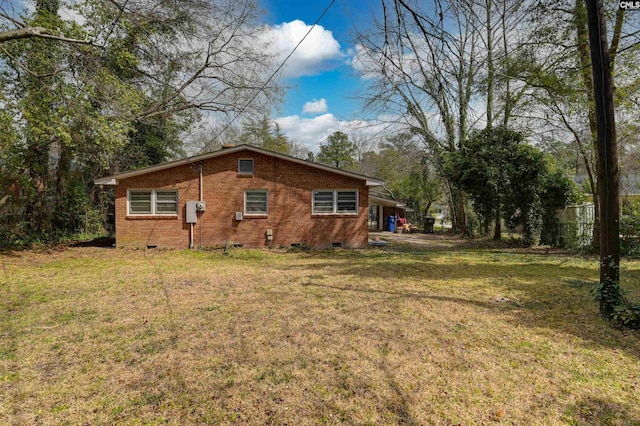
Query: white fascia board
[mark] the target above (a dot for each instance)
(387, 201)
(109, 180)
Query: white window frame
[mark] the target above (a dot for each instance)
(154, 202)
(266, 202)
(253, 166)
(334, 202)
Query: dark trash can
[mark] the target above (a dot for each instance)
(428, 225)
(391, 223)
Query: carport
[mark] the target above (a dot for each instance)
(380, 208)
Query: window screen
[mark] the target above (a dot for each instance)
(150, 201)
(140, 202)
(323, 201)
(335, 201)
(245, 166)
(347, 202)
(255, 201)
(166, 202)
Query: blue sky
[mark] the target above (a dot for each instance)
(335, 85)
(322, 83)
(321, 80)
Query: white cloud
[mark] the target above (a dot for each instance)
(368, 62)
(311, 132)
(66, 12)
(365, 62)
(318, 52)
(315, 107)
(69, 14)
(24, 7)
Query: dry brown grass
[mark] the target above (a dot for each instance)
(399, 335)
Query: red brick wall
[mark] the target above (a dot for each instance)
(289, 188)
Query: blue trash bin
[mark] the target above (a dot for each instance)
(391, 223)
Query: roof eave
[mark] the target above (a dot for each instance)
(388, 202)
(113, 179)
(109, 180)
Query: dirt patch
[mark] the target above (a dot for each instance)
(419, 239)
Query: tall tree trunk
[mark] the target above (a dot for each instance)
(37, 168)
(39, 107)
(458, 211)
(490, 68)
(60, 217)
(582, 34)
(607, 159)
(507, 85)
(497, 230)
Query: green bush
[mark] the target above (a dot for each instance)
(557, 192)
(630, 229)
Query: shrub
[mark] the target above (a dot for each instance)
(630, 229)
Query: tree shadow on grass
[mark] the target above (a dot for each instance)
(7, 252)
(96, 242)
(450, 242)
(597, 411)
(101, 242)
(552, 292)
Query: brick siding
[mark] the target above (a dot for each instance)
(289, 187)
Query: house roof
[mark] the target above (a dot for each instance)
(379, 196)
(386, 201)
(113, 179)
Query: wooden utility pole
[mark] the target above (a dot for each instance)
(607, 159)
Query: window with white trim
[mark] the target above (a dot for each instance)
(153, 201)
(256, 202)
(245, 166)
(335, 201)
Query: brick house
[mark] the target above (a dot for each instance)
(241, 195)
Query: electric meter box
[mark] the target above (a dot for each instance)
(191, 215)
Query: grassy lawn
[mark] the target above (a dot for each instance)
(442, 334)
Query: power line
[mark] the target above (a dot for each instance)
(243, 109)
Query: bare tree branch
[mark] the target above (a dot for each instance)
(36, 32)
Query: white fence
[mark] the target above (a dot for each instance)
(576, 224)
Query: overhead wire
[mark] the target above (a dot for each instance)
(261, 89)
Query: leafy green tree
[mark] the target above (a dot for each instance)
(522, 197)
(113, 94)
(151, 142)
(265, 134)
(420, 189)
(431, 63)
(407, 172)
(557, 192)
(399, 156)
(508, 179)
(556, 66)
(61, 122)
(43, 98)
(338, 152)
